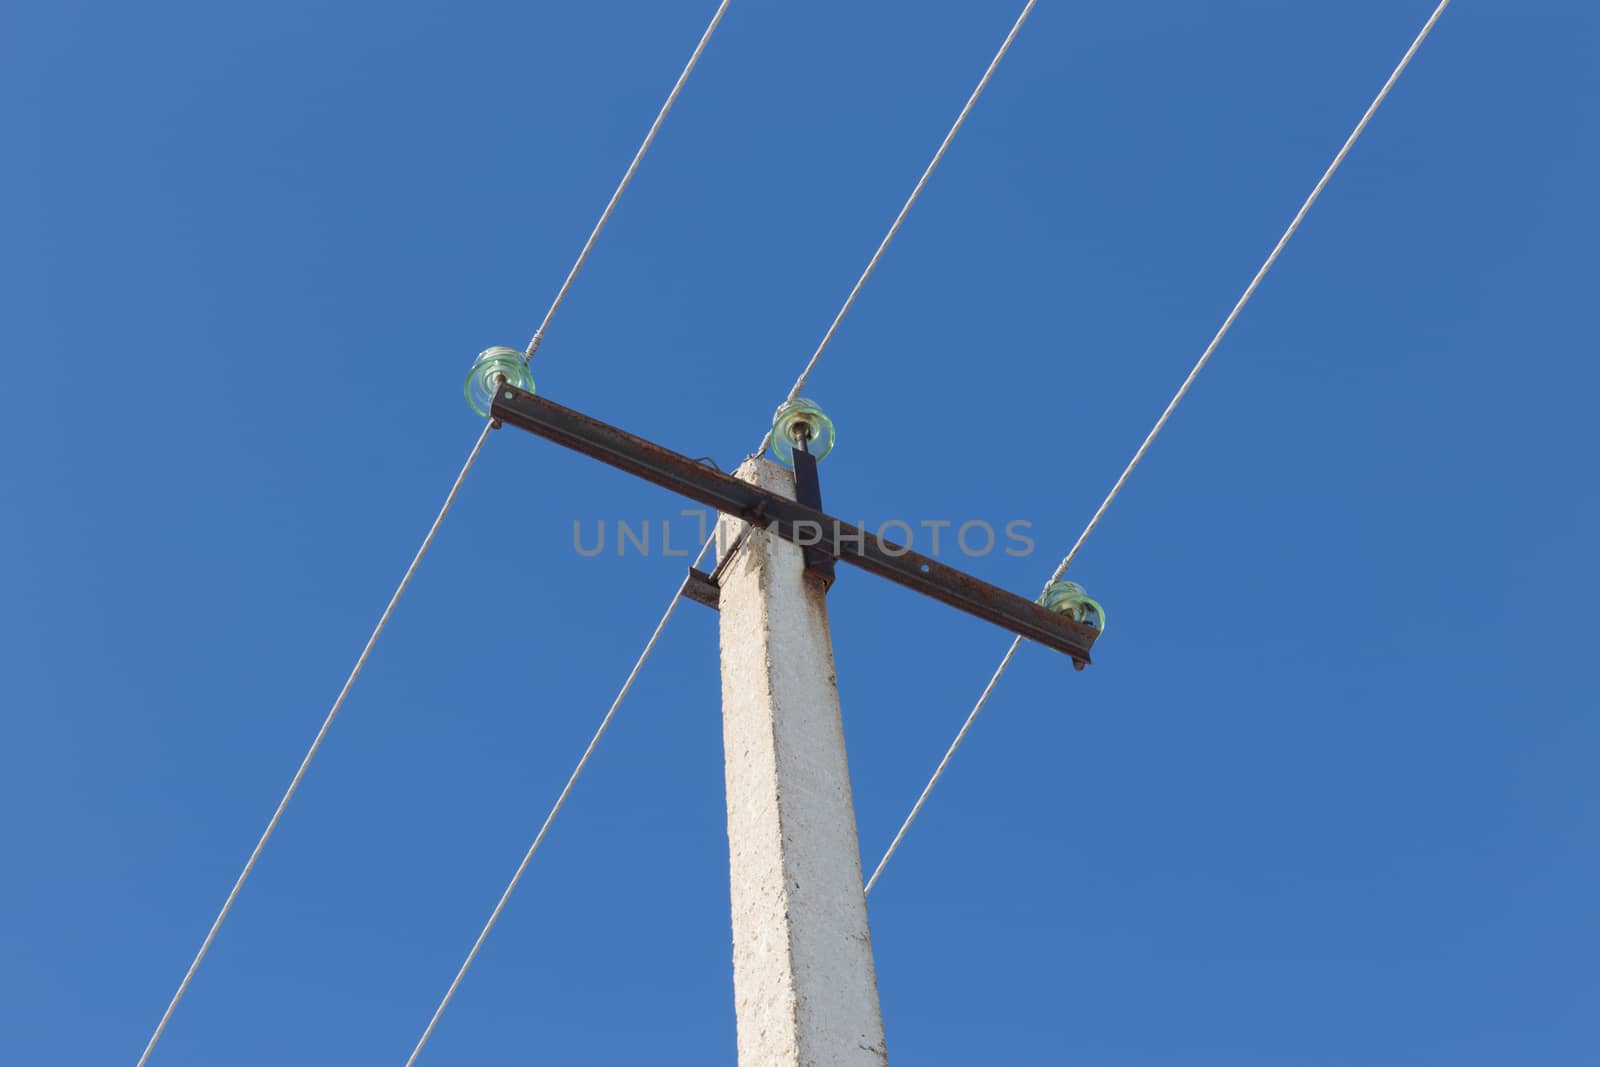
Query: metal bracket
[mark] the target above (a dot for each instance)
(703, 588)
(791, 520)
(808, 491)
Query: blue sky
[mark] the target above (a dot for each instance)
(1326, 796)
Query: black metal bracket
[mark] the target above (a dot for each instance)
(703, 588)
(808, 491)
(791, 520)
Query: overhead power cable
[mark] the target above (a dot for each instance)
(672, 604)
(316, 744)
(544, 828)
(894, 227)
(1183, 390)
(627, 176)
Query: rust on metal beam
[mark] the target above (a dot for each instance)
(701, 588)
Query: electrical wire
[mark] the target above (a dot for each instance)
(894, 227)
(316, 743)
(1161, 422)
(611, 205)
(544, 828)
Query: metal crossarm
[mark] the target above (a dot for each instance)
(791, 521)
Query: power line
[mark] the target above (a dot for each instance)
(1161, 422)
(916, 191)
(611, 205)
(583, 761)
(938, 772)
(294, 783)
(672, 604)
(316, 744)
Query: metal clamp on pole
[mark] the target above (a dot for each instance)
(808, 491)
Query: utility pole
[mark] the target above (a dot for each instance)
(803, 981)
(805, 989)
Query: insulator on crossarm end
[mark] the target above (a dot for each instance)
(492, 367)
(1069, 599)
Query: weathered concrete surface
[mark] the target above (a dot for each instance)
(805, 991)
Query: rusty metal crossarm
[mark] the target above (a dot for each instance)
(791, 520)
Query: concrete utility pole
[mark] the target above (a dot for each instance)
(805, 991)
(803, 981)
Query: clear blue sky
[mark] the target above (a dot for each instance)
(1327, 796)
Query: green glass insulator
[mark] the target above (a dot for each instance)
(492, 365)
(1069, 599)
(796, 420)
